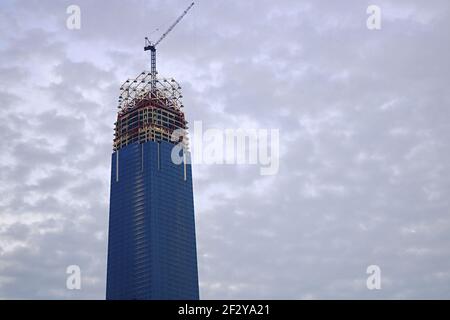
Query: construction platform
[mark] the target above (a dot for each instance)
(150, 112)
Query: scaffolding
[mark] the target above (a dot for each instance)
(150, 111)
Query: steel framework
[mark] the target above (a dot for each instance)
(167, 91)
(149, 115)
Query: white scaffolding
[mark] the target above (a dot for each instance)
(167, 92)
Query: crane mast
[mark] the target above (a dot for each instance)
(152, 46)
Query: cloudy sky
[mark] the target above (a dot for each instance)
(363, 115)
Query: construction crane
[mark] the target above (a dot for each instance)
(152, 46)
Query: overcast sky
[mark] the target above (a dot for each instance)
(364, 136)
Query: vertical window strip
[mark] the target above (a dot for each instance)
(117, 166)
(159, 164)
(142, 157)
(184, 164)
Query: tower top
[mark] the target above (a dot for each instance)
(149, 115)
(166, 92)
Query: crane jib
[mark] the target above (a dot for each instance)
(152, 45)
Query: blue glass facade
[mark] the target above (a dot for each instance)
(152, 245)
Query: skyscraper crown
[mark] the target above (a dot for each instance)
(147, 114)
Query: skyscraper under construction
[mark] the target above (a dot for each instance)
(152, 245)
